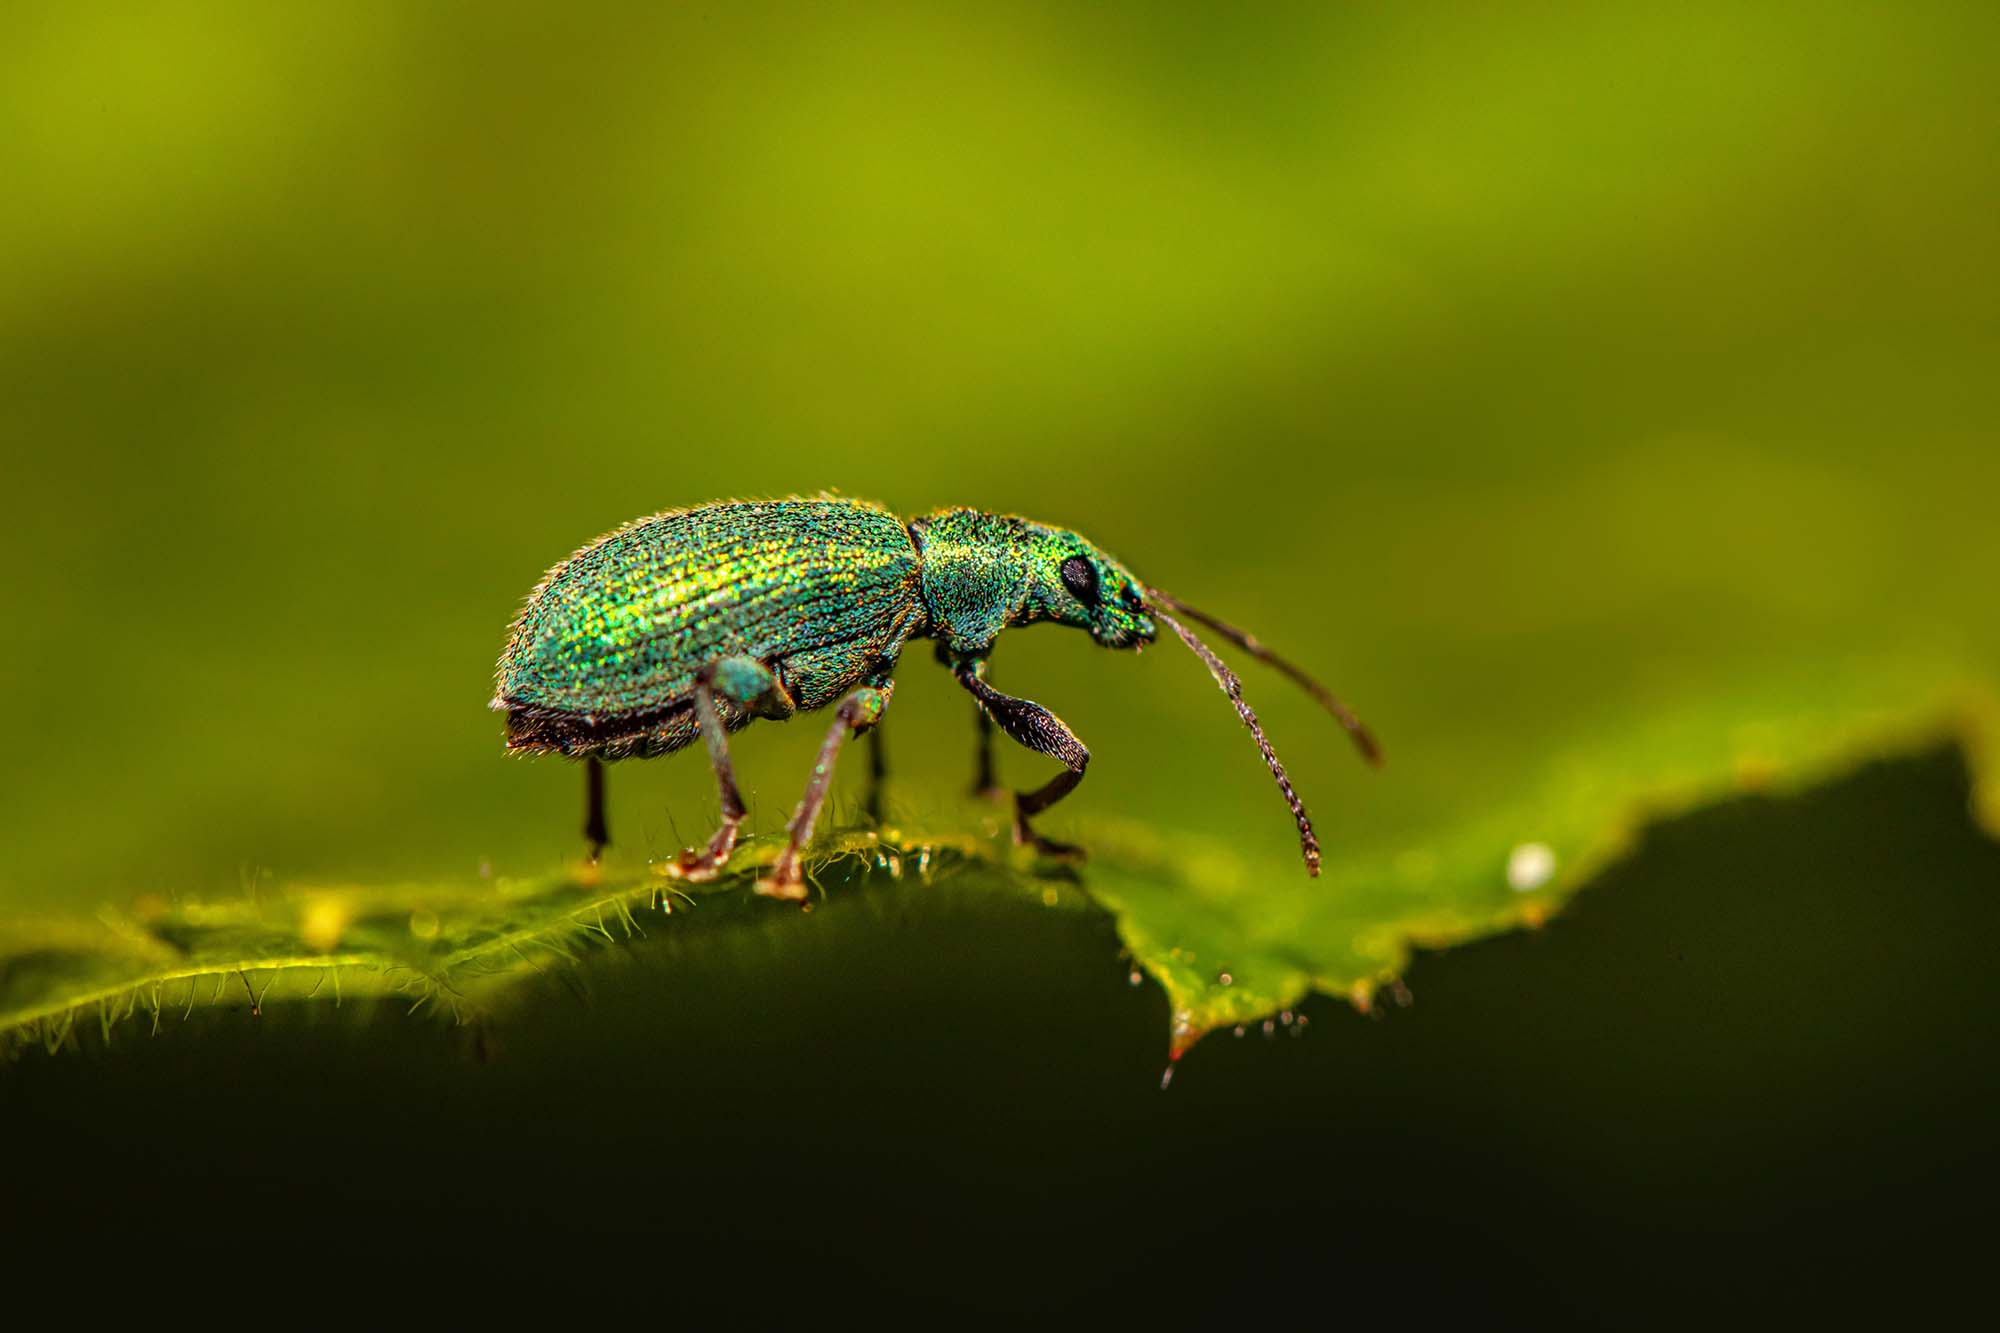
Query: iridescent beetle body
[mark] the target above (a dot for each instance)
(695, 622)
(606, 654)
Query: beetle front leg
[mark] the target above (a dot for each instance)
(1035, 727)
(856, 713)
(985, 779)
(749, 683)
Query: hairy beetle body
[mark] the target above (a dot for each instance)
(694, 622)
(604, 656)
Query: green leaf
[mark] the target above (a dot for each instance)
(1606, 408)
(1232, 945)
(454, 949)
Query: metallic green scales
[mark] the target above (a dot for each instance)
(610, 643)
(692, 623)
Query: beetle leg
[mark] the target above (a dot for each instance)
(858, 712)
(748, 683)
(985, 782)
(595, 830)
(878, 775)
(1029, 724)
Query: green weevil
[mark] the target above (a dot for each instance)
(694, 622)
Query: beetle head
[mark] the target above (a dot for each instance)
(1074, 583)
(984, 572)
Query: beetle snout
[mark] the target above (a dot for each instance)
(1125, 631)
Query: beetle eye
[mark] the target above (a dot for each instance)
(1080, 577)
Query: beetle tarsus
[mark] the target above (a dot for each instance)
(1025, 836)
(784, 882)
(697, 867)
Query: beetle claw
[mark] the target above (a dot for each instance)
(783, 882)
(693, 869)
(697, 867)
(1049, 847)
(702, 866)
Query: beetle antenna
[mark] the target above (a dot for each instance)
(1231, 686)
(1364, 740)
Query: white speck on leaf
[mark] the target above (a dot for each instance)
(1530, 866)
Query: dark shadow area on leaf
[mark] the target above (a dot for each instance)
(1750, 1067)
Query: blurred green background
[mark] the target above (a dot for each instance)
(1535, 373)
(1601, 397)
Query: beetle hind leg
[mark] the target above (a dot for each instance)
(596, 831)
(749, 685)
